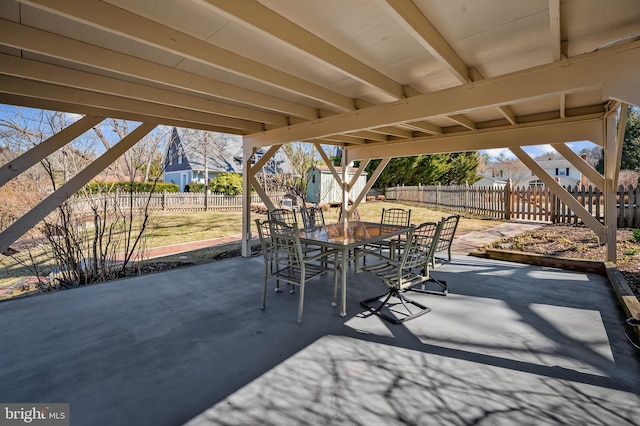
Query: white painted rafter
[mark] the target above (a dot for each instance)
(257, 16)
(463, 121)
(22, 37)
(415, 23)
(554, 30)
(555, 131)
(580, 73)
(156, 113)
(118, 21)
(57, 75)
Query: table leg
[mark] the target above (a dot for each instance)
(345, 263)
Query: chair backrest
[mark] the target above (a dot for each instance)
(396, 216)
(286, 244)
(312, 216)
(283, 215)
(420, 245)
(266, 242)
(449, 226)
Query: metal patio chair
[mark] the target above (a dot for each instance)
(312, 216)
(401, 274)
(448, 232)
(285, 261)
(287, 216)
(392, 216)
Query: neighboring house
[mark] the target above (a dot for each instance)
(489, 181)
(184, 166)
(560, 169)
(323, 188)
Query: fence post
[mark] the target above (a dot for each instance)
(466, 197)
(508, 189)
(437, 194)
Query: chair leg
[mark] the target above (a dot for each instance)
(301, 302)
(334, 302)
(264, 292)
(403, 300)
(423, 287)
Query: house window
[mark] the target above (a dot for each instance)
(562, 172)
(313, 178)
(170, 157)
(180, 155)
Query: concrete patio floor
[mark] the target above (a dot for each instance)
(510, 344)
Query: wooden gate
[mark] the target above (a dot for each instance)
(530, 203)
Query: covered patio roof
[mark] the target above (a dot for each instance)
(381, 78)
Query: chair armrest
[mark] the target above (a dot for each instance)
(320, 256)
(365, 252)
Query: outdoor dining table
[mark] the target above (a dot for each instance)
(345, 237)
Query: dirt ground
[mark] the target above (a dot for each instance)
(579, 242)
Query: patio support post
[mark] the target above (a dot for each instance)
(614, 138)
(247, 154)
(66, 191)
(345, 189)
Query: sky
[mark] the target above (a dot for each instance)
(535, 150)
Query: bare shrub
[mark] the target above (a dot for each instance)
(381, 198)
(371, 198)
(628, 178)
(325, 207)
(260, 208)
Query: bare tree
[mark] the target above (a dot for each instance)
(144, 160)
(301, 157)
(628, 178)
(206, 149)
(87, 246)
(510, 169)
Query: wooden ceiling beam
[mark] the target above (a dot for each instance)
(579, 73)
(41, 42)
(256, 16)
(102, 15)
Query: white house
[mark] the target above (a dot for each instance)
(560, 169)
(492, 182)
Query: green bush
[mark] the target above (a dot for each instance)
(636, 235)
(194, 187)
(101, 187)
(227, 183)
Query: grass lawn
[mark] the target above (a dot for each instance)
(168, 228)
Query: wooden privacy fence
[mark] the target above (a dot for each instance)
(185, 201)
(528, 203)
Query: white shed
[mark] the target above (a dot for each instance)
(323, 188)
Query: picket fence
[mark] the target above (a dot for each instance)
(527, 203)
(170, 201)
